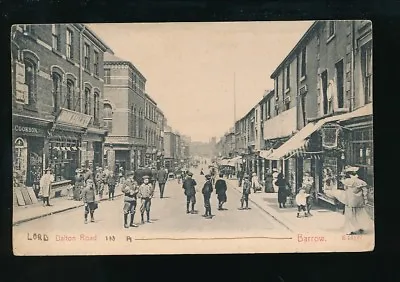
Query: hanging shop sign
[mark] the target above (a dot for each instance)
(330, 137)
(73, 118)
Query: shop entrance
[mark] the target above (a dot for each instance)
(35, 161)
(98, 154)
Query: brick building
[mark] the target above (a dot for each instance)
(57, 79)
(150, 129)
(160, 126)
(124, 107)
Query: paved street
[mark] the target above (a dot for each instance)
(169, 218)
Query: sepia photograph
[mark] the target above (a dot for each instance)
(192, 138)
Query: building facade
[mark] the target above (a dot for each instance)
(150, 130)
(124, 108)
(161, 121)
(58, 79)
(169, 148)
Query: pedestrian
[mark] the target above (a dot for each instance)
(45, 186)
(282, 190)
(138, 175)
(78, 185)
(99, 181)
(89, 198)
(255, 184)
(301, 201)
(145, 194)
(189, 185)
(246, 192)
(207, 191)
(357, 219)
(111, 181)
(130, 190)
(220, 190)
(240, 177)
(202, 172)
(162, 177)
(104, 182)
(153, 177)
(308, 184)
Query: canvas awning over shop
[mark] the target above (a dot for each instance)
(297, 145)
(265, 153)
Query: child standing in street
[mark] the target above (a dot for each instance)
(301, 201)
(246, 192)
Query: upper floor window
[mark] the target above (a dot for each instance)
(107, 76)
(69, 46)
(86, 54)
(56, 91)
(331, 28)
(96, 63)
(287, 85)
(277, 87)
(70, 95)
(366, 67)
(96, 107)
(303, 62)
(108, 116)
(30, 80)
(87, 101)
(55, 30)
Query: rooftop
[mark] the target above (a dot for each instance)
(111, 58)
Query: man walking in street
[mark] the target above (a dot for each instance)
(246, 192)
(220, 190)
(45, 186)
(130, 191)
(112, 182)
(89, 198)
(145, 194)
(153, 177)
(207, 191)
(189, 185)
(162, 177)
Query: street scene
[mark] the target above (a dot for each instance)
(117, 142)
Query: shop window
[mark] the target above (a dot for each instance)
(19, 146)
(30, 80)
(56, 91)
(70, 95)
(363, 154)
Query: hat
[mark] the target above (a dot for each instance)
(246, 176)
(208, 176)
(351, 169)
(190, 174)
(129, 173)
(146, 177)
(47, 169)
(120, 174)
(254, 174)
(78, 170)
(89, 181)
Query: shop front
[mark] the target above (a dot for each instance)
(28, 144)
(94, 143)
(122, 158)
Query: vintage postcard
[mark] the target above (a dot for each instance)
(191, 138)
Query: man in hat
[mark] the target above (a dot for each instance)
(246, 192)
(308, 184)
(89, 198)
(145, 194)
(162, 177)
(79, 184)
(220, 190)
(189, 185)
(99, 180)
(207, 190)
(153, 177)
(356, 192)
(130, 190)
(45, 186)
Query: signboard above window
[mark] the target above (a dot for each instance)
(73, 118)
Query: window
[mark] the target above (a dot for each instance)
(287, 86)
(96, 108)
(86, 53)
(340, 83)
(69, 46)
(324, 77)
(108, 117)
(96, 63)
(303, 68)
(87, 102)
(331, 29)
(134, 122)
(366, 67)
(56, 91)
(30, 80)
(70, 95)
(277, 87)
(107, 76)
(55, 30)
(363, 153)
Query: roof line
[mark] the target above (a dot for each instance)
(94, 36)
(126, 62)
(302, 39)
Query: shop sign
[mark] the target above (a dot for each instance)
(73, 118)
(330, 137)
(28, 130)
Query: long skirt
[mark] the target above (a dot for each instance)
(356, 219)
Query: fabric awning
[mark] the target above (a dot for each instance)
(297, 145)
(265, 153)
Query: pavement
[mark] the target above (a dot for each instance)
(23, 214)
(322, 219)
(168, 216)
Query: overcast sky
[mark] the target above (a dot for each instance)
(190, 67)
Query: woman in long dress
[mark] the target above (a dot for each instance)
(357, 219)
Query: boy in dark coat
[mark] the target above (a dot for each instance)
(207, 190)
(220, 190)
(162, 177)
(89, 198)
(111, 181)
(130, 191)
(246, 192)
(189, 185)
